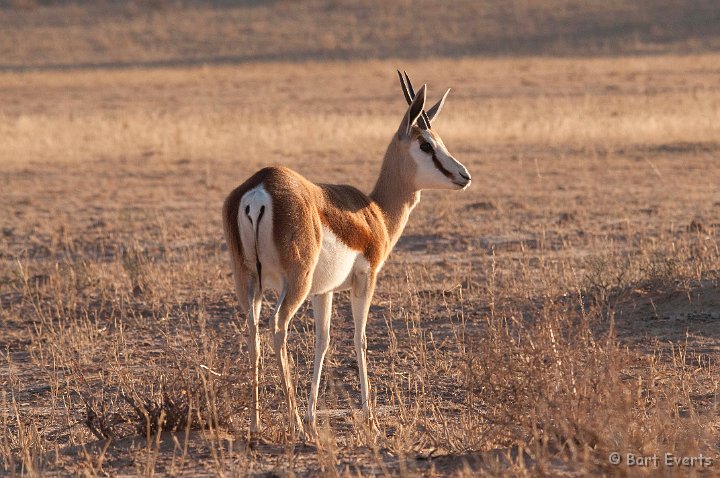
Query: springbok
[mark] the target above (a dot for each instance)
(302, 239)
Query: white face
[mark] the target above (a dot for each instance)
(436, 168)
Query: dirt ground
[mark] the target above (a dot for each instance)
(564, 307)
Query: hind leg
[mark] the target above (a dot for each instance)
(254, 301)
(250, 301)
(296, 291)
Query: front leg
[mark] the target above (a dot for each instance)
(322, 308)
(362, 291)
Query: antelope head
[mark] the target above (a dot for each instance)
(434, 167)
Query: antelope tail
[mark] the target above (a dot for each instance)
(258, 264)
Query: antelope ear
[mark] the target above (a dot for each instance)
(413, 111)
(437, 107)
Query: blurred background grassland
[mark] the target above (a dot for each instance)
(165, 32)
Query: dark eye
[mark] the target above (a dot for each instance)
(426, 147)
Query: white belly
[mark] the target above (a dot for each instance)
(336, 265)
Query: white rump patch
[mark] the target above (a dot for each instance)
(252, 202)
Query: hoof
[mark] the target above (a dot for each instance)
(257, 440)
(310, 429)
(373, 430)
(294, 435)
(304, 438)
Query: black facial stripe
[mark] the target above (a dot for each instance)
(440, 167)
(426, 147)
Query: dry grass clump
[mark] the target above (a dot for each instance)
(567, 394)
(563, 382)
(86, 323)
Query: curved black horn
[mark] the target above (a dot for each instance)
(423, 120)
(404, 88)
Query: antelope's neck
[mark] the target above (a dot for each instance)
(395, 194)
